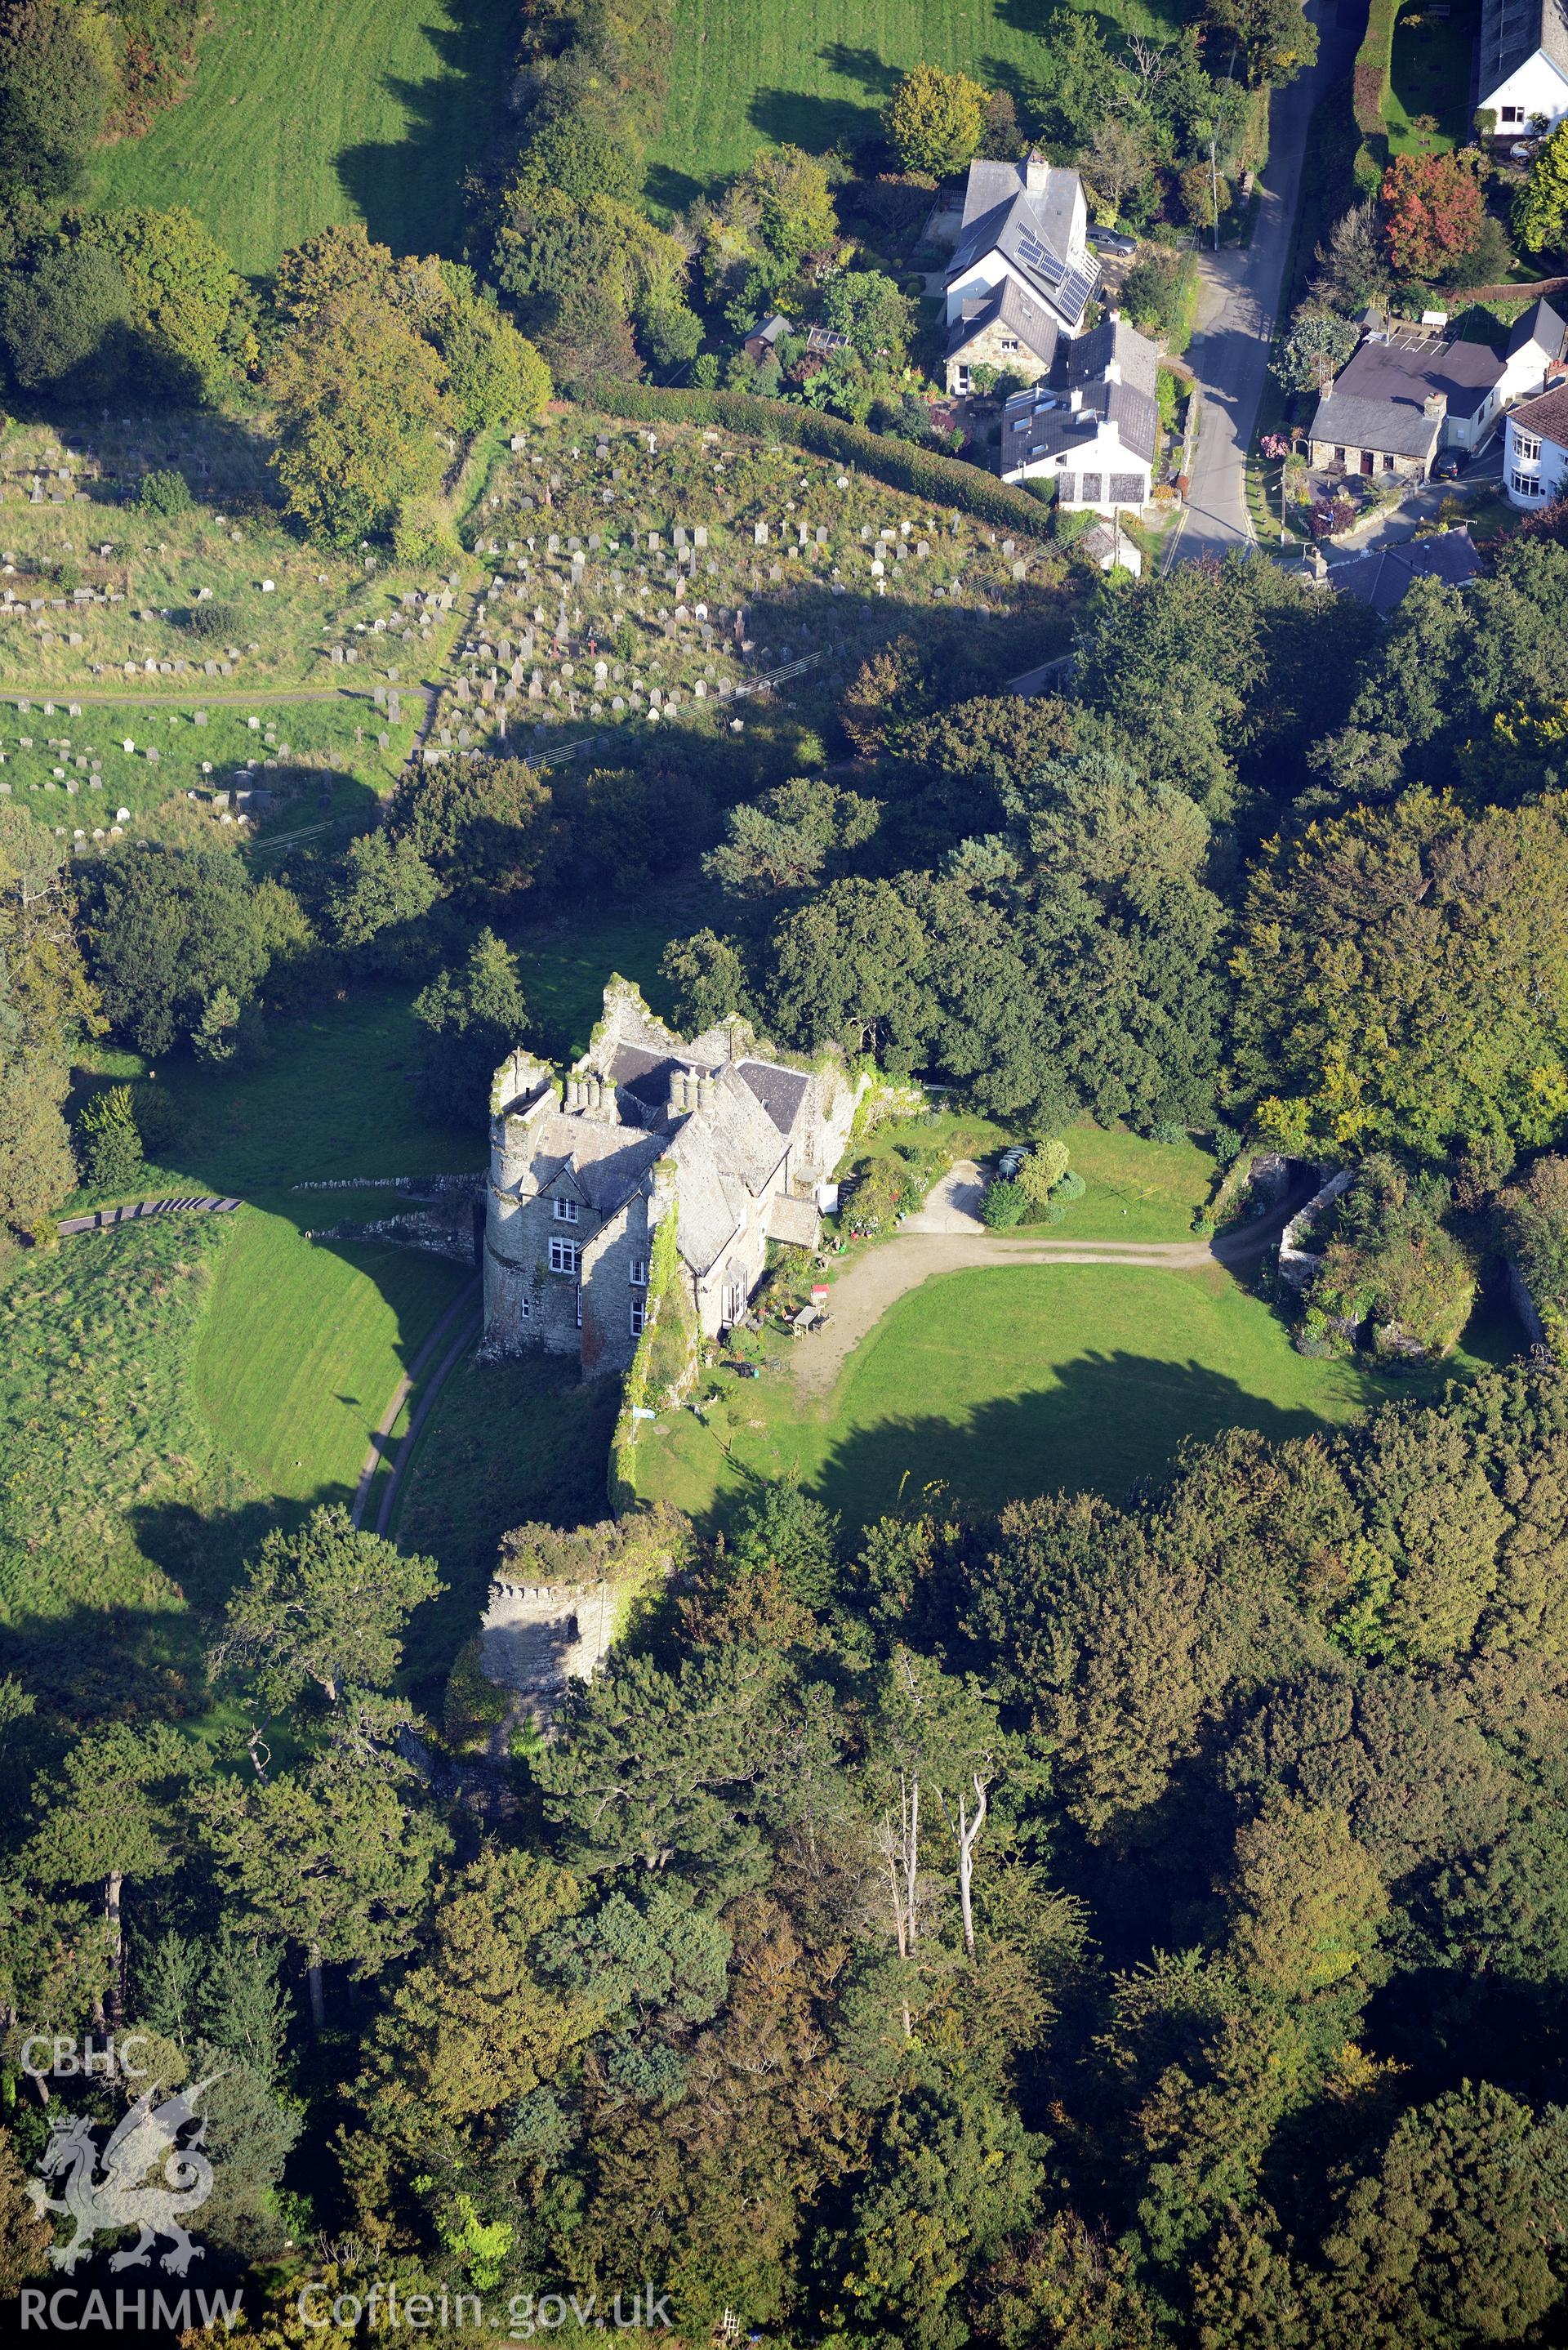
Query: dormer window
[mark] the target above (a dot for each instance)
(563, 1210)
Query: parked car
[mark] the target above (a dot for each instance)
(1450, 465)
(1111, 240)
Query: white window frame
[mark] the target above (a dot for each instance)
(1527, 485)
(566, 1256)
(1511, 114)
(638, 1317)
(565, 1212)
(1526, 450)
(639, 1274)
(578, 1295)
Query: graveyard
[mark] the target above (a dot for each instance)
(618, 578)
(642, 577)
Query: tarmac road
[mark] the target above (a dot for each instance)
(1240, 296)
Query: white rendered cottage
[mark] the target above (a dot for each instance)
(1523, 63)
(1092, 425)
(1535, 450)
(1022, 272)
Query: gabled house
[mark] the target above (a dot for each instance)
(1006, 329)
(1025, 225)
(1092, 425)
(1383, 576)
(1523, 63)
(718, 1132)
(1408, 392)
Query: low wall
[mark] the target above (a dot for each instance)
(1297, 1265)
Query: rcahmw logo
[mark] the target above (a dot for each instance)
(151, 2174)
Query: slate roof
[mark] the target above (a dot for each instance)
(1383, 576)
(1054, 430)
(796, 1221)
(646, 1076)
(1008, 306)
(1032, 232)
(1377, 399)
(1114, 340)
(602, 1163)
(1547, 416)
(1539, 323)
(780, 1091)
(1512, 32)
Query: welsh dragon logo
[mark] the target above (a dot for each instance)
(122, 2195)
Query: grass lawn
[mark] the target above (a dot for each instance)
(1430, 78)
(747, 72)
(994, 1385)
(307, 113)
(1138, 1190)
(303, 1344)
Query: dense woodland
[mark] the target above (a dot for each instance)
(1098, 1926)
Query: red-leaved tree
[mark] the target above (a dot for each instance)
(1431, 214)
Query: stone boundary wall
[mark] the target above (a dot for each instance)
(1297, 1265)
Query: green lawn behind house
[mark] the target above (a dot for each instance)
(1430, 79)
(992, 1385)
(303, 113)
(819, 72)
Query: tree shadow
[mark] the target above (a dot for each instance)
(861, 65)
(669, 190)
(410, 191)
(1106, 1421)
(789, 117)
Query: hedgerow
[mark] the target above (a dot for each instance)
(945, 481)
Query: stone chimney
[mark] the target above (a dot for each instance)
(1435, 407)
(1035, 172)
(680, 1092)
(705, 1093)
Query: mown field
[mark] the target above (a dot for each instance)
(307, 113)
(750, 72)
(996, 1384)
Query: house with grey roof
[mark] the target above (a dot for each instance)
(1005, 329)
(718, 1132)
(1024, 225)
(1408, 392)
(1383, 576)
(1092, 425)
(1524, 64)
